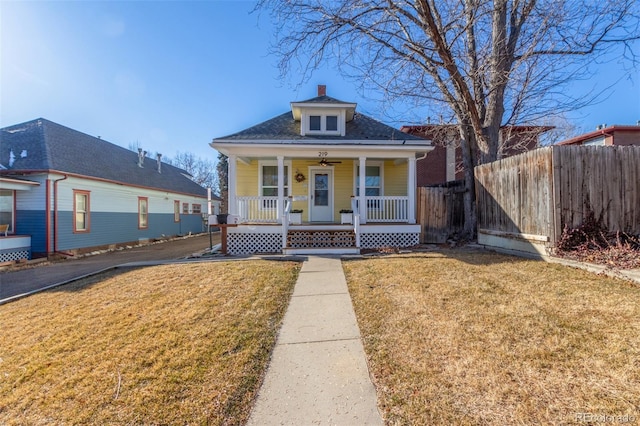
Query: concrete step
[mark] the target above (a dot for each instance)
(321, 251)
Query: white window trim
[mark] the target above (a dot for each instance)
(261, 164)
(305, 122)
(380, 164)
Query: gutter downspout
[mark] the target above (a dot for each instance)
(55, 216)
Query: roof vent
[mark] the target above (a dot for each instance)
(141, 155)
(159, 157)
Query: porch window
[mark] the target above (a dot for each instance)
(373, 181)
(269, 182)
(185, 208)
(81, 211)
(373, 184)
(143, 212)
(6, 207)
(196, 208)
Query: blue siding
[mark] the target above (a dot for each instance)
(32, 222)
(112, 228)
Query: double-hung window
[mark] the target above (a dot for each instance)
(269, 182)
(143, 212)
(81, 211)
(373, 183)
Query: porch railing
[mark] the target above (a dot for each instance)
(387, 209)
(379, 209)
(258, 209)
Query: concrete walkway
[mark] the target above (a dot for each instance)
(318, 374)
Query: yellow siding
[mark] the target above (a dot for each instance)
(343, 187)
(395, 179)
(395, 182)
(247, 179)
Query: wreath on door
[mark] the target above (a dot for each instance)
(300, 177)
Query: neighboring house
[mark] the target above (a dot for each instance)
(444, 164)
(71, 192)
(316, 158)
(621, 135)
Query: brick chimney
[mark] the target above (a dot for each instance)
(322, 90)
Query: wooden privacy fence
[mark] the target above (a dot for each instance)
(440, 211)
(532, 196)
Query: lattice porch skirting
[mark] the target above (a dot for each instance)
(381, 240)
(249, 243)
(11, 255)
(320, 239)
(242, 243)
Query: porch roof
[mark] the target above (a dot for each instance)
(16, 184)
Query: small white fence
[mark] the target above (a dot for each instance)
(387, 209)
(258, 209)
(379, 209)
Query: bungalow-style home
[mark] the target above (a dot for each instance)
(63, 191)
(321, 178)
(620, 135)
(444, 164)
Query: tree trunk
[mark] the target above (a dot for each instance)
(469, 156)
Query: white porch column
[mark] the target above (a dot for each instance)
(281, 178)
(232, 208)
(411, 189)
(362, 203)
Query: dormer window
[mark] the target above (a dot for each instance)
(332, 123)
(323, 115)
(314, 123)
(323, 123)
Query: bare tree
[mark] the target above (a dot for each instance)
(481, 64)
(203, 172)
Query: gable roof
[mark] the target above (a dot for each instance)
(41, 145)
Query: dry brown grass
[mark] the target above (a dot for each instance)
(175, 344)
(463, 337)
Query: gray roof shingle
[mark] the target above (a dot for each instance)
(284, 129)
(42, 145)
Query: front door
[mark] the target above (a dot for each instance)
(321, 195)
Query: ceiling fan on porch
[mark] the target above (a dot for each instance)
(324, 162)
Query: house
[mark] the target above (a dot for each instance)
(621, 135)
(67, 192)
(444, 164)
(314, 159)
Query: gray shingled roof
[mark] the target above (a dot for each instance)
(284, 129)
(48, 146)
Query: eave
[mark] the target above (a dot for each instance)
(297, 107)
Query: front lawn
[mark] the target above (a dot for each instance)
(174, 344)
(472, 337)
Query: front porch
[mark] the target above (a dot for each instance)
(327, 238)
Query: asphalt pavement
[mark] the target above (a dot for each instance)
(33, 277)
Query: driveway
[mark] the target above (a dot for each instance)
(38, 276)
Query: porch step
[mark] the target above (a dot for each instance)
(320, 239)
(321, 251)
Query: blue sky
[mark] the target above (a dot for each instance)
(172, 75)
